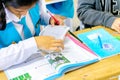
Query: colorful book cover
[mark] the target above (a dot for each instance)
(101, 42)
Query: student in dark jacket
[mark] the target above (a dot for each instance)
(99, 12)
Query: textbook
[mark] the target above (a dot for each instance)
(101, 42)
(53, 65)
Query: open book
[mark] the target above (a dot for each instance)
(101, 42)
(75, 55)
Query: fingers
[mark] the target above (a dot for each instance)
(55, 21)
(52, 22)
(50, 44)
(116, 25)
(58, 21)
(56, 45)
(55, 49)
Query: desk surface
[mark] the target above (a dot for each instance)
(106, 69)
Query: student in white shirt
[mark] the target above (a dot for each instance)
(20, 27)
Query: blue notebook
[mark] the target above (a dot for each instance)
(101, 42)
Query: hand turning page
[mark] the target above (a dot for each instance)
(54, 65)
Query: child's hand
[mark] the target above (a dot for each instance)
(57, 20)
(116, 25)
(49, 43)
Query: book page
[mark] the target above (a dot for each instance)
(58, 32)
(37, 69)
(75, 54)
(72, 57)
(53, 65)
(56, 59)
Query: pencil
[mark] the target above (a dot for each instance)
(75, 36)
(56, 21)
(100, 42)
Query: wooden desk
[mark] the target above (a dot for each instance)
(106, 69)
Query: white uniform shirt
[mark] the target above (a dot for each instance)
(18, 53)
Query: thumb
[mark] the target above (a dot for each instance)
(52, 22)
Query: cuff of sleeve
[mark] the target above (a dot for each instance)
(31, 45)
(110, 21)
(47, 17)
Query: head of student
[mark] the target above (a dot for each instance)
(17, 7)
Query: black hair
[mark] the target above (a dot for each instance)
(19, 3)
(2, 17)
(13, 3)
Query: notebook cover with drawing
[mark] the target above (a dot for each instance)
(101, 42)
(75, 55)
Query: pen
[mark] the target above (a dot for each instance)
(56, 21)
(100, 42)
(75, 36)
